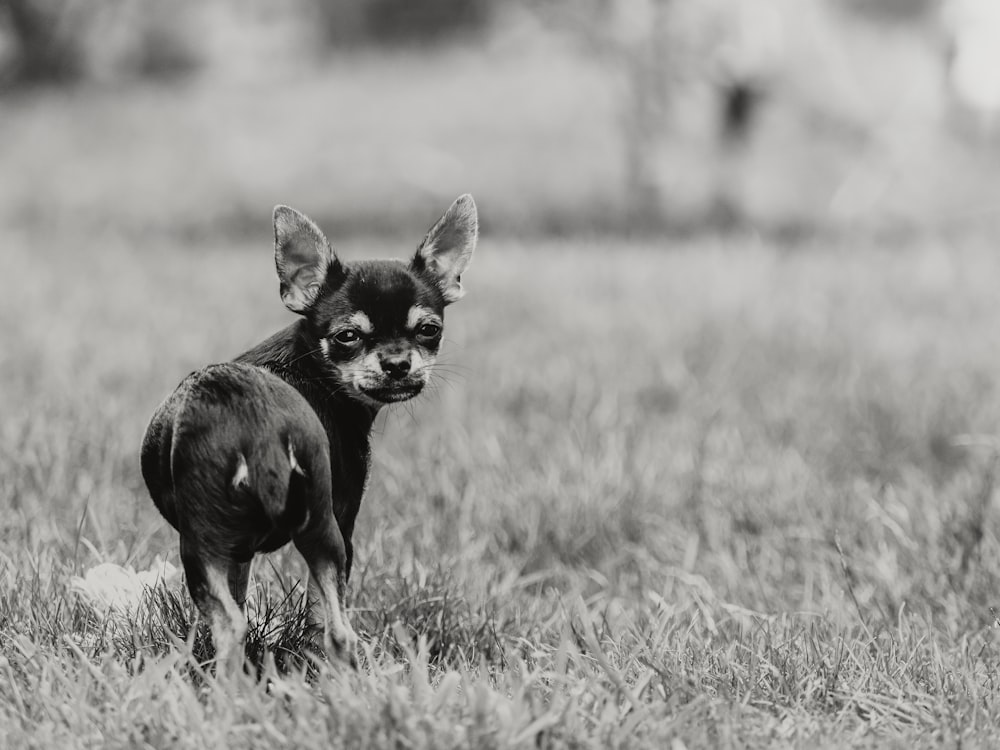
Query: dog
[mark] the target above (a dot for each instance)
(274, 447)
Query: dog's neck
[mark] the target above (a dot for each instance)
(293, 355)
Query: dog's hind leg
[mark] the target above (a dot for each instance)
(208, 580)
(322, 547)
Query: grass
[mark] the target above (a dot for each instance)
(719, 494)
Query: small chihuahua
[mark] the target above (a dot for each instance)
(245, 456)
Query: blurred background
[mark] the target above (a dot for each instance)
(560, 116)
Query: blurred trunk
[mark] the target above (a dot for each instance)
(644, 116)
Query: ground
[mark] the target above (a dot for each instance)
(714, 493)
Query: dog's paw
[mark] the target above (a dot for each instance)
(346, 647)
(334, 647)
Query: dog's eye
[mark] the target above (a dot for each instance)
(347, 337)
(428, 330)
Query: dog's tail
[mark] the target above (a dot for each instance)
(278, 483)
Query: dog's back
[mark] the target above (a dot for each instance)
(233, 458)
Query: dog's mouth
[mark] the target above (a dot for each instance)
(392, 394)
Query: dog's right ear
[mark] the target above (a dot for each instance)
(448, 247)
(303, 258)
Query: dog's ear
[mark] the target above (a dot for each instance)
(447, 248)
(303, 258)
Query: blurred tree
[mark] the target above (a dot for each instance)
(161, 40)
(427, 21)
(972, 64)
(893, 11)
(636, 37)
(744, 44)
(46, 43)
(343, 22)
(65, 41)
(353, 23)
(661, 47)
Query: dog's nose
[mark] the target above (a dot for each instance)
(396, 368)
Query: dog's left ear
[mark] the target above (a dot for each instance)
(447, 248)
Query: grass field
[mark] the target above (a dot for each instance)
(715, 493)
(701, 492)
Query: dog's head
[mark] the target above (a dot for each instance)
(377, 323)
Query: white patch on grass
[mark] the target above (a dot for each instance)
(117, 592)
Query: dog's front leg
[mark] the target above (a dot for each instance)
(322, 547)
(238, 578)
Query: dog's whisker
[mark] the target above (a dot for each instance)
(449, 378)
(447, 375)
(449, 370)
(446, 363)
(302, 356)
